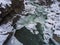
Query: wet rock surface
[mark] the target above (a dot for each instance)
(28, 37)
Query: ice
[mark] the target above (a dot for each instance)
(29, 8)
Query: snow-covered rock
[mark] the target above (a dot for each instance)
(4, 2)
(53, 21)
(3, 38)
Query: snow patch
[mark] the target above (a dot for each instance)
(4, 2)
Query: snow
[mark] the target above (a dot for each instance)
(3, 38)
(14, 41)
(4, 2)
(30, 8)
(53, 22)
(3, 30)
(31, 26)
(50, 21)
(36, 32)
(6, 27)
(57, 32)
